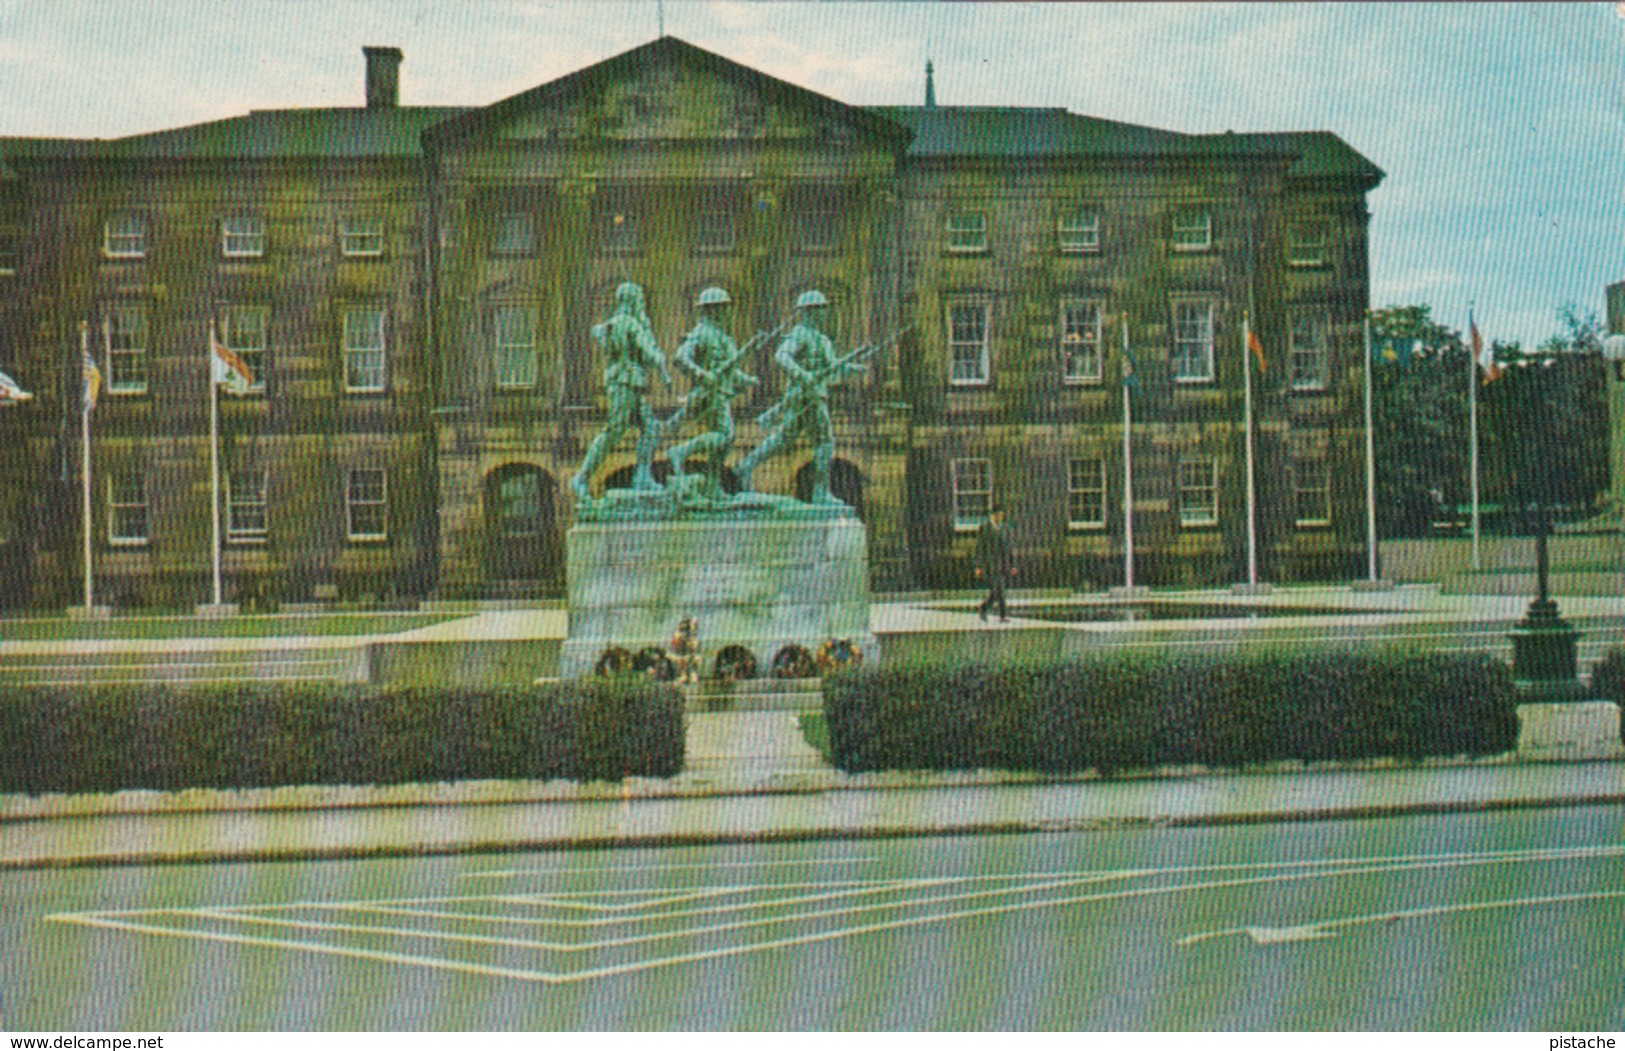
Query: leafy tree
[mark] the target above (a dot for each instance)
(1548, 416)
(1419, 420)
(1543, 429)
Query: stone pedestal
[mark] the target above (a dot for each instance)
(1572, 730)
(761, 583)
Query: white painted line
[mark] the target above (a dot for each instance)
(1329, 928)
(846, 891)
(698, 865)
(1247, 874)
(437, 963)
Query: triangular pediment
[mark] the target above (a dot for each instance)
(667, 91)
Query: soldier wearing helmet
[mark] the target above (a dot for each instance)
(630, 350)
(709, 357)
(807, 354)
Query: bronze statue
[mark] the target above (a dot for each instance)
(809, 357)
(628, 341)
(710, 359)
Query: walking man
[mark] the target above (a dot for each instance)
(630, 350)
(995, 562)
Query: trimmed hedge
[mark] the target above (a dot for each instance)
(1608, 676)
(103, 739)
(1116, 712)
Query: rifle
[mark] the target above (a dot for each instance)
(854, 361)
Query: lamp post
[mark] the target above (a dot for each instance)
(1543, 644)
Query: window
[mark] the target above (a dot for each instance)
(245, 507)
(1080, 341)
(1312, 483)
(242, 330)
(367, 501)
(1311, 351)
(514, 234)
(714, 228)
(124, 236)
(361, 237)
(242, 236)
(1086, 494)
(618, 229)
(1192, 230)
(820, 226)
(127, 509)
(1078, 231)
(972, 492)
(1198, 491)
(967, 232)
(1306, 244)
(1193, 340)
(363, 349)
(513, 346)
(11, 254)
(968, 344)
(124, 328)
(519, 510)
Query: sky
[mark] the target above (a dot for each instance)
(1501, 127)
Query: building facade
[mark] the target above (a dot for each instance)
(413, 289)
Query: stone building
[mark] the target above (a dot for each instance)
(413, 287)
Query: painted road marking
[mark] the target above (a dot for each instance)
(1329, 928)
(674, 867)
(564, 936)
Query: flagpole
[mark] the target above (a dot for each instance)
(1252, 493)
(1128, 476)
(1472, 412)
(1370, 466)
(84, 470)
(214, 460)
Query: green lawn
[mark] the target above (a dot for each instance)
(179, 627)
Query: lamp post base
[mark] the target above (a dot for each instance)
(1543, 653)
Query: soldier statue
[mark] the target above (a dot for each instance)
(630, 351)
(710, 359)
(808, 356)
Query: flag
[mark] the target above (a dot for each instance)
(1258, 350)
(1396, 350)
(93, 382)
(229, 370)
(11, 392)
(1485, 356)
(1130, 368)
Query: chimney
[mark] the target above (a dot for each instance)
(383, 77)
(1616, 308)
(930, 86)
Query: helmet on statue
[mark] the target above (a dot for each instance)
(811, 298)
(713, 296)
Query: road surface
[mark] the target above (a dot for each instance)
(1496, 921)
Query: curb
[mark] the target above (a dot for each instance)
(16, 807)
(510, 846)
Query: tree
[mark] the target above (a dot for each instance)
(1543, 429)
(1419, 419)
(1548, 416)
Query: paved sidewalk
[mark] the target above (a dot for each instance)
(751, 777)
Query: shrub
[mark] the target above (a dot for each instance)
(1122, 711)
(1608, 676)
(103, 739)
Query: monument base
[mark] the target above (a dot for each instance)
(756, 583)
(1573, 730)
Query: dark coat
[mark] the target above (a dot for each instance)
(993, 550)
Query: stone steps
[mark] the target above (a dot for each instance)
(755, 695)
